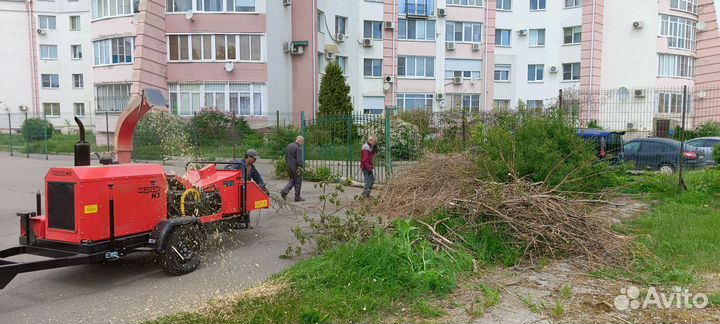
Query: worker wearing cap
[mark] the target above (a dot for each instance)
(248, 163)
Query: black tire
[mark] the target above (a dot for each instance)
(183, 249)
(666, 168)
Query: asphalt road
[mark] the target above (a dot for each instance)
(135, 288)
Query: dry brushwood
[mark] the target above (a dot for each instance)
(542, 221)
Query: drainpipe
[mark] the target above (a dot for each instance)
(314, 49)
(394, 53)
(592, 57)
(485, 58)
(33, 57)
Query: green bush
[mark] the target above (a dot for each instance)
(321, 174)
(281, 168)
(279, 139)
(708, 129)
(36, 129)
(210, 125)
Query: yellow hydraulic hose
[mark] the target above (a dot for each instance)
(182, 199)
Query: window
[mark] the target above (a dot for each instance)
(466, 69)
(417, 7)
(320, 21)
(684, 5)
(342, 62)
(537, 5)
(179, 5)
(535, 104)
(243, 99)
(209, 5)
(670, 102)
(471, 3)
(535, 72)
(680, 32)
(631, 147)
(502, 72)
(51, 109)
(74, 23)
(465, 101)
(78, 81)
(219, 47)
(416, 66)
(241, 6)
(79, 108)
(76, 52)
(502, 37)
(111, 8)
(463, 32)
(340, 25)
(573, 3)
(537, 37)
(416, 29)
(48, 52)
(372, 67)
(501, 103)
(675, 66)
(572, 35)
(503, 5)
(571, 71)
(410, 101)
(373, 105)
(46, 22)
(373, 29)
(111, 97)
(114, 51)
(50, 81)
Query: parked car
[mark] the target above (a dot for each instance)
(662, 154)
(707, 145)
(608, 145)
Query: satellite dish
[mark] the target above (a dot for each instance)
(701, 25)
(443, 103)
(229, 66)
(189, 15)
(386, 86)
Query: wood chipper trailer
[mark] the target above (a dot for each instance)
(103, 212)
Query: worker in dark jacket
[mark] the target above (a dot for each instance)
(367, 166)
(248, 166)
(295, 163)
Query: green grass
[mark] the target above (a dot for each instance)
(566, 292)
(58, 144)
(558, 311)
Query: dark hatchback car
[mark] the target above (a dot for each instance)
(608, 145)
(662, 154)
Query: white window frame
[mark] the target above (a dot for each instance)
(54, 108)
(416, 65)
(465, 74)
(78, 81)
(102, 9)
(539, 70)
(576, 36)
(681, 32)
(537, 5)
(53, 81)
(342, 62)
(534, 104)
(185, 54)
(535, 35)
(465, 3)
(75, 23)
(404, 32)
(429, 6)
(503, 5)
(451, 33)
(499, 32)
(690, 6)
(48, 22)
(111, 97)
(81, 105)
(341, 24)
(375, 66)
(76, 52)
(48, 52)
(403, 97)
(676, 66)
(470, 101)
(184, 97)
(502, 68)
(572, 71)
(569, 4)
(104, 50)
(501, 103)
(376, 29)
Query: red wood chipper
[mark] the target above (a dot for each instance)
(103, 212)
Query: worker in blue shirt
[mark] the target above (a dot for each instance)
(248, 166)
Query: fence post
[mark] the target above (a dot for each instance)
(277, 120)
(681, 180)
(107, 131)
(302, 132)
(27, 143)
(348, 163)
(388, 144)
(10, 132)
(560, 100)
(46, 135)
(464, 127)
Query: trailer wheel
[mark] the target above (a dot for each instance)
(182, 253)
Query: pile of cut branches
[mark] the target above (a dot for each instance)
(543, 221)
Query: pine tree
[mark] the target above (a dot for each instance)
(334, 93)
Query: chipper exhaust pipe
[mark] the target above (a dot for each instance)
(82, 148)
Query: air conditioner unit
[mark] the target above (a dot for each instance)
(450, 46)
(389, 25)
(367, 42)
(287, 2)
(288, 47)
(638, 24)
(522, 32)
(340, 37)
(41, 31)
(439, 96)
(441, 12)
(457, 80)
(476, 46)
(389, 79)
(553, 69)
(639, 93)
(630, 126)
(329, 56)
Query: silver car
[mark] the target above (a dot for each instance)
(706, 144)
